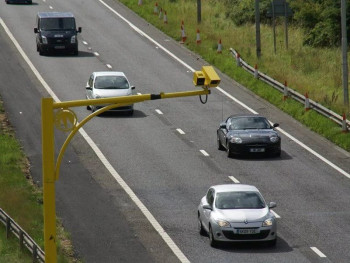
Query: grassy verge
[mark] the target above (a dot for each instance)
(22, 200)
(316, 71)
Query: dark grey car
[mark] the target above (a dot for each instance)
(248, 134)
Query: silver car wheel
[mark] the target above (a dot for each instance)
(200, 227)
(212, 240)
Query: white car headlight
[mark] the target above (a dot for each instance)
(268, 222)
(236, 140)
(274, 139)
(44, 39)
(73, 39)
(223, 223)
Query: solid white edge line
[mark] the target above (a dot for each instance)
(204, 152)
(104, 160)
(159, 112)
(314, 153)
(276, 215)
(234, 179)
(30, 64)
(318, 252)
(180, 131)
(224, 92)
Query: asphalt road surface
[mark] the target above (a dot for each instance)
(168, 169)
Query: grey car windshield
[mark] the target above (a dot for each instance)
(239, 200)
(111, 82)
(249, 123)
(61, 23)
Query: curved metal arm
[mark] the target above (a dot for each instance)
(71, 135)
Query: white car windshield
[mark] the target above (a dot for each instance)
(111, 82)
(239, 200)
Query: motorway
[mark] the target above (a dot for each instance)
(166, 152)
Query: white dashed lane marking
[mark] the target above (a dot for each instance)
(180, 131)
(276, 215)
(159, 112)
(234, 179)
(85, 43)
(96, 54)
(109, 66)
(318, 252)
(204, 153)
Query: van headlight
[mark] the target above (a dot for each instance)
(73, 39)
(44, 39)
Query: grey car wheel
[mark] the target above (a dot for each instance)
(220, 147)
(212, 240)
(200, 227)
(229, 153)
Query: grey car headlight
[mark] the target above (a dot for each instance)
(223, 223)
(73, 39)
(44, 39)
(268, 222)
(274, 139)
(236, 140)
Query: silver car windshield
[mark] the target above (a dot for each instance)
(239, 200)
(249, 123)
(111, 82)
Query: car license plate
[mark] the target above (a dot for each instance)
(59, 47)
(247, 231)
(257, 150)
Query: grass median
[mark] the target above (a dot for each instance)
(313, 70)
(22, 200)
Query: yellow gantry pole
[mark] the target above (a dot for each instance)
(48, 163)
(51, 172)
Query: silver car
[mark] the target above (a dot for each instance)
(236, 213)
(106, 84)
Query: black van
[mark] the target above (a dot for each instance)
(56, 31)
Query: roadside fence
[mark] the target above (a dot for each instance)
(25, 241)
(287, 92)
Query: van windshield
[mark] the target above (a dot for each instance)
(57, 23)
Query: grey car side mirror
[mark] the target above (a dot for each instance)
(207, 207)
(272, 205)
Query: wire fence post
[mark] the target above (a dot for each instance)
(8, 227)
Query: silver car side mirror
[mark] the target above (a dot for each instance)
(207, 207)
(272, 205)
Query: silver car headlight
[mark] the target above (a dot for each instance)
(236, 140)
(274, 139)
(223, 223)
(268, 222)
(44, 39)
(73, 39)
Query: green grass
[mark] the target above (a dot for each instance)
(306, 69)
(22, 201)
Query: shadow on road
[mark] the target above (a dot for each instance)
(256, 247)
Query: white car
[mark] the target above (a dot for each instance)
(106, 84)
(236, 213)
